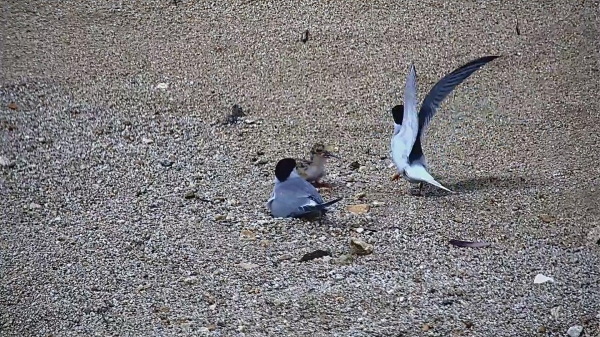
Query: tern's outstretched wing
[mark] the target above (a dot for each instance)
(438, 93)
(402, 142)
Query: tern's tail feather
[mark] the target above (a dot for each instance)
(419, 173)
(319, 207)
(438, 185)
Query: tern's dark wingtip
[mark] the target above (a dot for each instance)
(492, 57)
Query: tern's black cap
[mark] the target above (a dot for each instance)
(398, 113)
(284, 168)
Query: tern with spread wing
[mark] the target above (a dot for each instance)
(410, 127)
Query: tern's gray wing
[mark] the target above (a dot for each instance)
(299, 186)
(291, 196)
(444, 87)
(403, 141)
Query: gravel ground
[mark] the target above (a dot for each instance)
(110, 116)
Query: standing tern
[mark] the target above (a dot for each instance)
(409, 134)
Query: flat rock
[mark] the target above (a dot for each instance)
(147, 140)
(575, 331)
(360, 247)
(5, 162)
(247, 265)
(247, 235)
(594, 236)
(358, 209)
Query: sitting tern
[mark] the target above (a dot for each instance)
(294, 197)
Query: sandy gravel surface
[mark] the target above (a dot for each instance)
(110, 116)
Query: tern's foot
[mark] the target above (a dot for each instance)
(418, 192)
(412, 192)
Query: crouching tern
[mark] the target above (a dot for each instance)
(293, 196)
(410, 127)
(314, 169)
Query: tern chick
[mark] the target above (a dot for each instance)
(313, 170)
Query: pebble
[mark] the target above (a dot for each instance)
(220, 217)
(344, 259)
(261, 162)
(575, 331)
(555, 312)
(248, 266)
(147, 140)
(594, 236)
(284, 257)
(190, 280)
(358, 209)
(539, 278)
(338, 276)
(360, 247)
(360, 195)
(547, 218)
(5, 162)
(247, 235)
(167, 163)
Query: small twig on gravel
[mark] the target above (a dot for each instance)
(518, 30)
(179, 193)
(469, 244)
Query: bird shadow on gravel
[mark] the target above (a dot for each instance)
(484, 183)
(481, 183)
